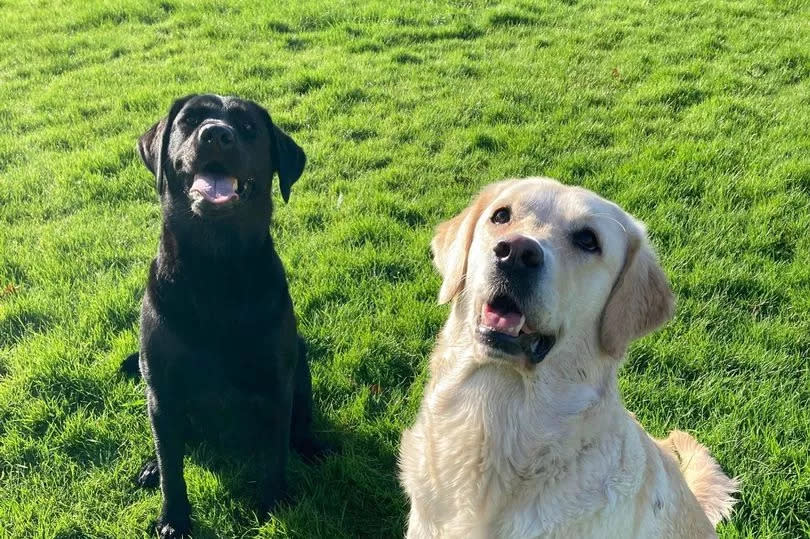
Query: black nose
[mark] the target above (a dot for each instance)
(518, 252)
(218, 136)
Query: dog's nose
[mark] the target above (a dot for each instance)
(518, 252)
(217, 135)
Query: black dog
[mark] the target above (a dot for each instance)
(219, 346)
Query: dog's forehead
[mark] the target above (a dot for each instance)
(207, 101)
(220, 103)
(232, 103)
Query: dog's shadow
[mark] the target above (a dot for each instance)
(351, 490)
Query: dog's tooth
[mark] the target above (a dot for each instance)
(235, 183)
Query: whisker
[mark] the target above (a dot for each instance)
(610, 218)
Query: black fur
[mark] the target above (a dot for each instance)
(220, 353)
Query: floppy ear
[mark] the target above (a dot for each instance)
(452, 242)
(288, 157)
(154, 144)
(149, 145)
(290, 160)
(641, 299)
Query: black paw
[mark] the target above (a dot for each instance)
(172, 531)
(271, 499)
(312, 450)
(174, 523)
(149, 477)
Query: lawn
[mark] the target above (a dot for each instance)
(694, 116)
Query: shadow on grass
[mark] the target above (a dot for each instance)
(358, 478)
(16, 326)
(361, 481)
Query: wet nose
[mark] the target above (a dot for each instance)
(518, 252)
(217, 136)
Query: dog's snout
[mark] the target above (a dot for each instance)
(518, 252)
(220, 136)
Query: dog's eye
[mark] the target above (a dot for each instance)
(192, 120)
(501, 216)
(586, 240)
(248, 127)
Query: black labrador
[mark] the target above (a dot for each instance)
(219, 349)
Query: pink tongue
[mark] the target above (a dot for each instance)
(216, 188)
(505, 322)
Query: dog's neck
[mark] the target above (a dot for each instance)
(567, 401)
(229, 260)
(230, 238)
(563, 395)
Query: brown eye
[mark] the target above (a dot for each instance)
(248, 127)
(501, 216)
(586, 240)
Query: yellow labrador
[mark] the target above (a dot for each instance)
(522, 432)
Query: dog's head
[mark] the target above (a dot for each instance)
(535, 266)
(215, 154)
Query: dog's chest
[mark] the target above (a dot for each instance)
(232, 365)
(218, 298)
(238, 342)
(225, 392)
(476, 458)
(495, 470)
(233, 312)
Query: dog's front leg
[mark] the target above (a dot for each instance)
(302, 438)
(165, 415)
(273, 485)
(418, 527)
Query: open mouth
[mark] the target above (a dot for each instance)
(216, 185)
(503, 326)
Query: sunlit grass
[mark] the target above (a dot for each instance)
(692, 115)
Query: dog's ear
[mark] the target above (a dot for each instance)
(641, 299)
(290, 161)
(149, 145)
(452, 242)
(154, 144)
(288, 157)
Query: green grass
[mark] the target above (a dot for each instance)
(694, 116)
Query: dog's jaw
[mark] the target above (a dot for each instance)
(502, 331)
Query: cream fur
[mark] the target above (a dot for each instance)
(501, 448)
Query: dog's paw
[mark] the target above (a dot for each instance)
(172, 531)
(149, 476)
(175, 519)
(271, 495)
(312, 450)
(270, 501)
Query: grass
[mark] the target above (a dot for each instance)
(692, 115)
